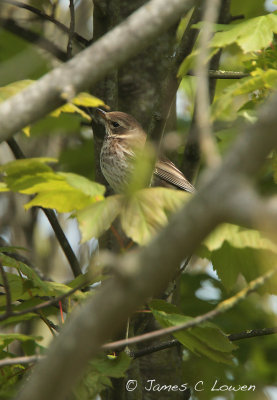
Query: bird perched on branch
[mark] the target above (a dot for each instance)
(124, 136)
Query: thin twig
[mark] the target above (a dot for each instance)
(71, 28)
(7, 290)
(252, 333)
(207, 141)
(174, 342)
(50, 214)
(151, 349)
(220, 308)
(171, 84)
(48, 18)
(42, 305)
(219, 74)
(192, 153)
(20, 360)
(32, 37)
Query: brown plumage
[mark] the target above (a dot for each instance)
(125, 136)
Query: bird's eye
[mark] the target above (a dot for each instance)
(115, 124)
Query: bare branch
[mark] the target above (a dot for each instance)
(91, 65)
(42, 305)
(219, 74)
(250, 333)
(20, 360)
(71, 28)
(220, 308)
(151, 349)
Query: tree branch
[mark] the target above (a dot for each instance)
(174, 342)
(144, 272)
(171, 84)
(89, 66)
(20, 360)
(220, 308)
(42, 305)
(33, 37)
(191, 156)
(50, 214)
(206, 139)
(71, 29)
(151, 349)
(219, 74)
(48, 18)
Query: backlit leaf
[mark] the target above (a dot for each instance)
(97, 218)
(146, 211)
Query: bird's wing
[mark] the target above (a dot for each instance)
(166, 170)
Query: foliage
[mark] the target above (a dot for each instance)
(228, 260)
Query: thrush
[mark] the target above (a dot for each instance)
(124, 138)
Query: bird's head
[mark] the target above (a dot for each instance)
(122, 126)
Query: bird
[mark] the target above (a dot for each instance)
(123, 139)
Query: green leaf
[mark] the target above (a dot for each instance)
(60, 190)
(25, 270)
(7, 338)
(251, 35)
(141, 220)
(99, 373)
(206, 339)
(87, 100)
(238, 237)
(18, 319)
(259, 79)
(190, 60)
(16, 285)
(234, 250)
(27, 166)
(97, 218)
(83, 99)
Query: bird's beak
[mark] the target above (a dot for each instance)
(101, 113)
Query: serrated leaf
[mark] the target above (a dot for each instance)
(251, 35)
(258, 80)
(97, 218)
(234, 250)
(206, 339)
(238, 237)
(147, 211)
(63, 191)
